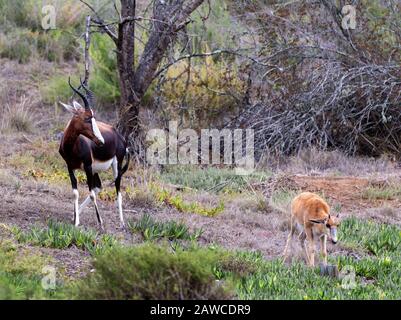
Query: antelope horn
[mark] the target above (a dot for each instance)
(86, 103)
(89, 94)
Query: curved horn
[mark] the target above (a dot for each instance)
(89, 94)
(86, 103)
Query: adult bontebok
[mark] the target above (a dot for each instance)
(92, 146)
(311, 218)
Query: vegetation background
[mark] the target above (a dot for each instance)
(324, 103)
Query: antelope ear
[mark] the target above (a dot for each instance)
(76, 105)
(322, 221)
(68, 107)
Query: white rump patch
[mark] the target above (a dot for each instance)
(96, 130)
(98, 166)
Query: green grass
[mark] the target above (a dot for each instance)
(382, 193)
(375, 238)
(152, 271)
(63, 235)
(376, 273)
(152, 230)
(210, 179)
(21, 274)
(176, 200)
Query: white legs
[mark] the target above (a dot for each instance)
(114, 168)
(87, 200)
(76, 210)
(117, 180)
(120, 209)
(93, 198)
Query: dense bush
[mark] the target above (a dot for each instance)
(202, 92)
(104, 78)
(151, 272)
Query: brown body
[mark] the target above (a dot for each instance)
(311, 220)
(92, 146)
(80, 151)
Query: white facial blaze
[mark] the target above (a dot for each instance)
(96, 130)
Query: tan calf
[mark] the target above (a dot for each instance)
(311, 219)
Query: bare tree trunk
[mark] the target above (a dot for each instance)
(129, 103)
(169, 17)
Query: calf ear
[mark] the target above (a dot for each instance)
(322, 221)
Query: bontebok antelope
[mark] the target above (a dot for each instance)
(310, 215)
(92, 146)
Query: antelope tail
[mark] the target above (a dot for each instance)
(125, 167)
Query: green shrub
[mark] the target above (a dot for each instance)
(152, 230)
(64, 235)
(18, 46)
(152, 272)
(21, 13)
(57, 45)
(104, 78)
(56, 90)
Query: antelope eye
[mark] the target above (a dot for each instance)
(88, 120)
(328, 226)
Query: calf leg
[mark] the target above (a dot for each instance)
(323, 249)
(289, 238)
(311, 248)
(302, 238)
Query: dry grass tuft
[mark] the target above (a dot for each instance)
(17, 116)
(314, 161)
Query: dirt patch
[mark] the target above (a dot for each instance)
(346, 191)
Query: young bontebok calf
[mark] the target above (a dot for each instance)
(310, 215)
(92, 146)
